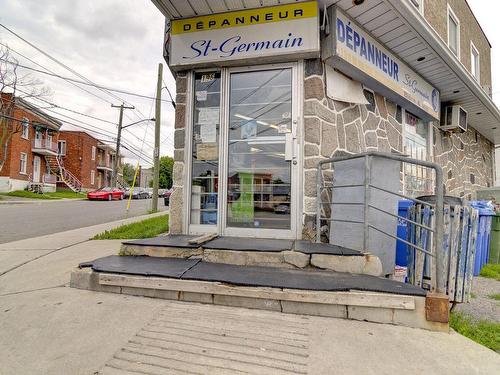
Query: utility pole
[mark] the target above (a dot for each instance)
(114, 175)
(156, 170)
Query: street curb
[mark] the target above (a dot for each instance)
(33, 201)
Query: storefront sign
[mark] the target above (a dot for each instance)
(271, 32)
(349, 46)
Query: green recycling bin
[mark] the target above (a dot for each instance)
(495, 240)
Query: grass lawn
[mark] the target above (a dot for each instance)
(481, 331)
(491, 271)
(55, 195)
(142, 229)
(495, 296)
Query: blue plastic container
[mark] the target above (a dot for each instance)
(402, 230)
(483, 235)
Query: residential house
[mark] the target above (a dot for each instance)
(106, 155)
(78, 154)
(26, 164)
(88, 159)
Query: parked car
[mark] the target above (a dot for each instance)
(166, 196)
(137, 193)
(105, 193)
(282, 209)
(150, 192)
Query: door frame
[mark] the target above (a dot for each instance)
(37, 170)
(258, 232)
(296, 204)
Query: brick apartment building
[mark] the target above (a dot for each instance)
(87, 158)
(29, 148)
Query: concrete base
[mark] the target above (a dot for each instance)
(402, 310)
(366, 264)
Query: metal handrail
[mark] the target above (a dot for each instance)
(439, 282)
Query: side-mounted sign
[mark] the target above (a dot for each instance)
(354, 51)
(270, 33)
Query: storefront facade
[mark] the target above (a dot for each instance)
(265, 93)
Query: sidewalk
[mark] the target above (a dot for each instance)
(6, 199)
(14, 254)
(49, 328)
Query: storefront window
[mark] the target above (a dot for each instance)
(418, 180)
(259, 176)
(205, 148)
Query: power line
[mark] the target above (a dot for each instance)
(84, 83)
(47, 69)
(69, 69)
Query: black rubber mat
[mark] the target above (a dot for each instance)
(249, 244)
(143, 265)
(308, 247)
(297, 279)
(167, 241)
(194, 269)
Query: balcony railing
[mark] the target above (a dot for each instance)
(44, 145)
(104, 164)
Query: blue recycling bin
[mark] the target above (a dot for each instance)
(402, 231)
(483, 234)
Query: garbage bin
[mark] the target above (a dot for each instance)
(483, 234)
(401, 247)
(495, 240)
(166, 201)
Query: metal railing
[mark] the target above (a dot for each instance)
(44, 144)
(433, 243)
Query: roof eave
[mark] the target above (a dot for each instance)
(414, 20)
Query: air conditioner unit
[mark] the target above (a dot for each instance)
(454, 118)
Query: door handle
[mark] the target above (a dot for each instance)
(289, 147)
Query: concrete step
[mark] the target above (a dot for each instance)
(258, 252)
(380, 307)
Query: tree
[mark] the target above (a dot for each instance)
(166, 169)
(13, 87)
(128, 173)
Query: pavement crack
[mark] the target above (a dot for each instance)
(33, 290)
(41, 256)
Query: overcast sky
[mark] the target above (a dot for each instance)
(118, 43)
(115, 43)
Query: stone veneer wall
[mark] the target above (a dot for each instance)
(333, 128)
(467, 161)
(176, 209)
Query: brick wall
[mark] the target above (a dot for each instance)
(435, 12)
(18, 144)
(78, 158)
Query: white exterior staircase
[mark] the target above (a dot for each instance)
(56, 166)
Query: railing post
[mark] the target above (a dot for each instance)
(319, 183)
(366, 228)
(440, 283)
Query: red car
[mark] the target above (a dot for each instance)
(105, 193)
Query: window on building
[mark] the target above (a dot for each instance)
(61, 147)
(92, 177)
(453, 32)
(93, 152)
(26, 128)
(23, 162)
(49, 140)
(418, 180)
(474, 61)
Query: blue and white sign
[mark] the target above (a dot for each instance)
(355, 46)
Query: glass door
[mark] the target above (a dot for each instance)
(260, 152)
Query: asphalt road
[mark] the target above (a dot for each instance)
(20, 221)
